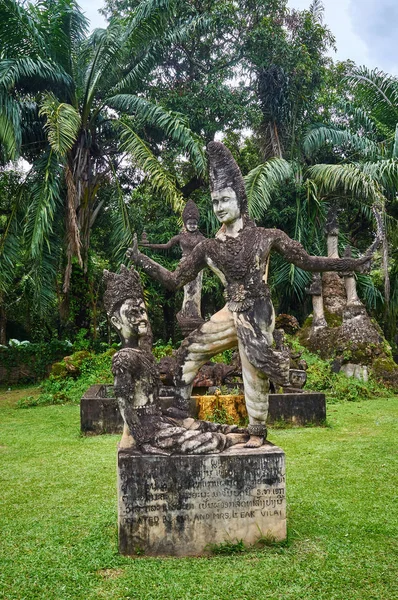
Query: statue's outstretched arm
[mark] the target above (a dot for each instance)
(294, 252)
(187, 269)
(174, 240)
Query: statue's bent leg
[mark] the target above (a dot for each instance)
(214, 336)
(256, 387)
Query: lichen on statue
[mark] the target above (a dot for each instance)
(238, 255)
(136, 381)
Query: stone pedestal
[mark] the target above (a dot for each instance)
(297, 409)
(179, 505)
(100, 413)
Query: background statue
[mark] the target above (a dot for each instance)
(190, 316)
(238, 255)
(136, 382)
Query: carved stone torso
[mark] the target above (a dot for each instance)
(188, 240)
(242, 261)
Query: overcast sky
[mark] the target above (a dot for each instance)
(366, 31)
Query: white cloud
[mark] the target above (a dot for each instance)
(365, 30)
(90, 9)
(376, 23)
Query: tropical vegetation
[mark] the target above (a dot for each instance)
(112, 128)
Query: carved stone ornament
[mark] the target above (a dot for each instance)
(137, 380)
(120, 287)
(190, 211)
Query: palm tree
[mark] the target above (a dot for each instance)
(73, 106)
(364, 141)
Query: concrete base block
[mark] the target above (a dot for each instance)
(297, 409)
(100, 413)
(178, 505)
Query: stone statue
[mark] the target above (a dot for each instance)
(238, 255)
(315, 290)
(137, 382)
(189, 317)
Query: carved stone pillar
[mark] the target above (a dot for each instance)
(315, 290)
(334, 293)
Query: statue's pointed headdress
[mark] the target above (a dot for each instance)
(224, 172)
(190, 211)
(120, 287)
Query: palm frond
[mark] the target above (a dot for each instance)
(45, 187)
(377, 91)
(10, 126)
(148, 8)
(289, 280)
(174, 125)
(39, 283)
(104, 64)
(158, 177)
(262, 181)
(63, 123)
(368, 291)
(341, 139)
(10, 241)
(19, 29)
(347, 179)
(15, 70)
(122, 233)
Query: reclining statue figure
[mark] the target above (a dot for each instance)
(238, 255)
(136, 382)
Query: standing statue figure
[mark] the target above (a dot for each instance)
(189, 317)
(238, 255)
(136, 384)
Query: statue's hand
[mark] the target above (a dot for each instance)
(364, 263)
(133, 253)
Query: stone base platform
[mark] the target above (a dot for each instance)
(299, 409)
(99, 411)
(179, 505)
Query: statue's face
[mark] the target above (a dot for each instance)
(191, 225)
(132, 319)
(225, 205)
(297, 378)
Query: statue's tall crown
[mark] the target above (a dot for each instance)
(120, 287)
(190, 211)
(224, 172)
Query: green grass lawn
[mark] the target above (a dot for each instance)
(58, 516)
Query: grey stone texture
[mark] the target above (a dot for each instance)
(180, 505)
(100, 413)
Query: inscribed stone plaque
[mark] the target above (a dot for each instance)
(178, 505)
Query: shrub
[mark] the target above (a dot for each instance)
(95, 368)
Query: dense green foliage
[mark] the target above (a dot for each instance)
(34, 360)
(108, 120)
(59, 516)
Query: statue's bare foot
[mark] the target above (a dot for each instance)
(255, 441)
(236, 438)
(148, 449)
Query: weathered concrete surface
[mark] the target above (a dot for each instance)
(99, 413)
(178, 505)
(297, 409)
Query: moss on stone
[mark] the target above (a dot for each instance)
(58, 370)
(385, 369)
(332, 319)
